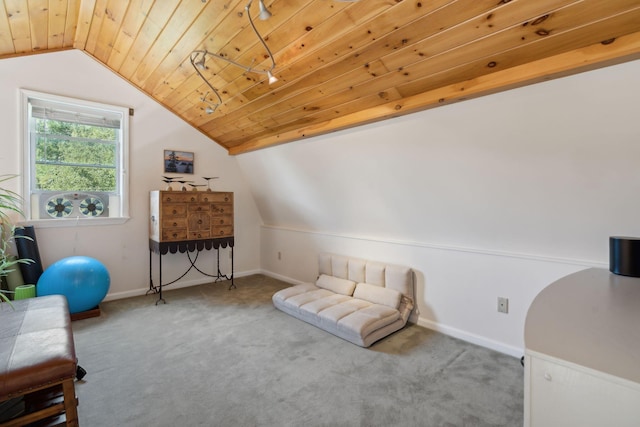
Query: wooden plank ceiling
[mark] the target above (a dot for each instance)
(339, 63)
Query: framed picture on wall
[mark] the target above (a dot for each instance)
(178, 161)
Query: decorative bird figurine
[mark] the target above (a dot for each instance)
(195, 186)
(183, 182)
(209, 178)
(169, 180)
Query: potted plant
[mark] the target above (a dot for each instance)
(10, 202)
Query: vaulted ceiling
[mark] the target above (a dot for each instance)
(339, 64)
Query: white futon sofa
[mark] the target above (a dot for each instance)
(357, 300)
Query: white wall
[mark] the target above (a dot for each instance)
(124, 248)
(497, 196)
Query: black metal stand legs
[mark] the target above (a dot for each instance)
(188, 247)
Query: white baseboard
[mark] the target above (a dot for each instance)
(472, 338)
(280, 277)
(183, 284)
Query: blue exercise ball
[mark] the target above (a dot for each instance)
(83, 280)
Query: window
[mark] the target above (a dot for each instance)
(75, 162)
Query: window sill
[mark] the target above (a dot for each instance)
(73, 222)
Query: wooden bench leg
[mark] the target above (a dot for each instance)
(49, 402)
(70, 402)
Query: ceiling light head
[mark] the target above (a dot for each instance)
(272, 78)
(264, 13)
(211, 107)
(200, 62)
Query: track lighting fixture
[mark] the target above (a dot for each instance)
(198, 60)
(272, 78)
(264, 13)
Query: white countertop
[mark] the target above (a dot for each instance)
(591, 318)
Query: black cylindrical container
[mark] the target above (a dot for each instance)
(28, 248)
(624, 256)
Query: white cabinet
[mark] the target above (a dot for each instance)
(582, 358)
(566, 395)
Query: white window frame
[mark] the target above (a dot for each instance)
(120, 202)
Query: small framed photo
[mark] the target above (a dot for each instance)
(178, 161)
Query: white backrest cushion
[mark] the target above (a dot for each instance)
(400, 278)
(324, 264)
(375, 273)
(336, 284)
(378, 295)
(357, 270)
(340, 266)
(389, 276)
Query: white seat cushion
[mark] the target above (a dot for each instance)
(369, 319)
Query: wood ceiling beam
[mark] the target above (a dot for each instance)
(71, 23)
(19, 27)
(85, 16)
(598, 55)
(127, 33)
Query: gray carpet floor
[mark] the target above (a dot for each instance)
(218, 357)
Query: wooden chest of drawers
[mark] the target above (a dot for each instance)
(190, 215)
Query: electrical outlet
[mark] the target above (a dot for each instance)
(503, 305)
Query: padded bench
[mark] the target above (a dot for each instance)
(38, 361)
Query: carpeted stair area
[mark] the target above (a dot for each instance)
(218, 357)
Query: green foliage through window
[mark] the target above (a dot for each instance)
(72, 156)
